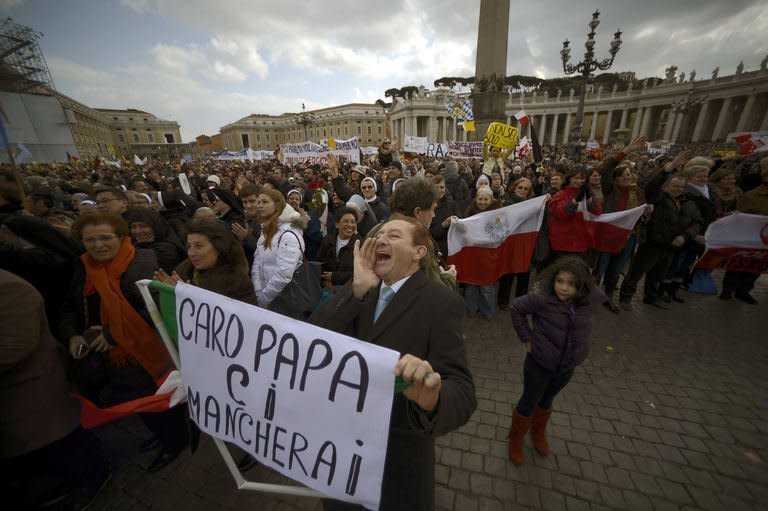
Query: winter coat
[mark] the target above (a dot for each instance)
(226, 279)
(380, 209)
(458, 189)
(560, 334)
(340, 265)
(80, 312)
(446, 207)
(273, 266)
(708, 206)
(567, 232)
(670, 217)
(754, 201)
(36, 406)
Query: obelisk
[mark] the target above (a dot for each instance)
(488, 95)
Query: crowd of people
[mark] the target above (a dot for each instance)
(80, 235)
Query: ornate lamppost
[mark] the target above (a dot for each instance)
(585, 68)
(305, 119)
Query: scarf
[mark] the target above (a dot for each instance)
(133, 337)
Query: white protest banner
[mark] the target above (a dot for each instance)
(309, 152)
(416, 145)
(310, 403)
(465, 149)
(369, 150)
(435, 150)
(657, 148)
(231, 155)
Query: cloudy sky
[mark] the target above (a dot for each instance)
(207, 63)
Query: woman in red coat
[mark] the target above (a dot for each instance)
(567, 231)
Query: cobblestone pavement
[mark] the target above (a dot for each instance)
(674, 417)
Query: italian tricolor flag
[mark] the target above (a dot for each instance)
(170, 389)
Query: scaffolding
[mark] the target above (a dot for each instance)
(22, 64)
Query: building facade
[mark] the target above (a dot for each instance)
(424, 114)
(142, 133)
(90, 129)
(672, 109)
(266, 132)
(105, 132)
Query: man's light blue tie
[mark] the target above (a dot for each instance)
(385, 295)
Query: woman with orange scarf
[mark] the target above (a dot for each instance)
(119, 355)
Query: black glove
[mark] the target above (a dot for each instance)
(580, 195)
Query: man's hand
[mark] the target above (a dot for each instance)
(527, 347)
(699, 239)
(636, 144)
(678, 241)
(333, 165)
(679, 160)
(364, 277)
(425, 391)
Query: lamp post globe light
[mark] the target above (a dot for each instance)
(585, 68)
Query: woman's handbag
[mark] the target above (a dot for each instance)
(303, 292)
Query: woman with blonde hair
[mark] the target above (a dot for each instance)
(280, 248)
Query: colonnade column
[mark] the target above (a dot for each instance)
(721, 120)
(593, 127)
(746, 114)
(636, 124)
(567, 131)
(671, 119)
(699, 128)
(607, 129)
(553, 138)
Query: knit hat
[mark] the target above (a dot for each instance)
(213, 178)
(451, 168)
(359, 203)
(482, 181)
(696, 165)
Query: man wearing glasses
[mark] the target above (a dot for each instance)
(111, 200)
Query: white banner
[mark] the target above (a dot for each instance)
(416, 145)
(465, 149)
(310, 403)
(309, 152)
(369, 150)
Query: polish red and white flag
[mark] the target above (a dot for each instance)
(522, 117)
(488, 245)
(609, 232)
(737, 242)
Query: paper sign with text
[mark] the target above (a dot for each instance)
(465, 149)
(309, 152)
(501, 135)
(310, 403)
(416, 145)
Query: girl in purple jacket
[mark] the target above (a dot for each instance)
(562, 306)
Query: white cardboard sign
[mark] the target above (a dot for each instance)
(310, 403)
